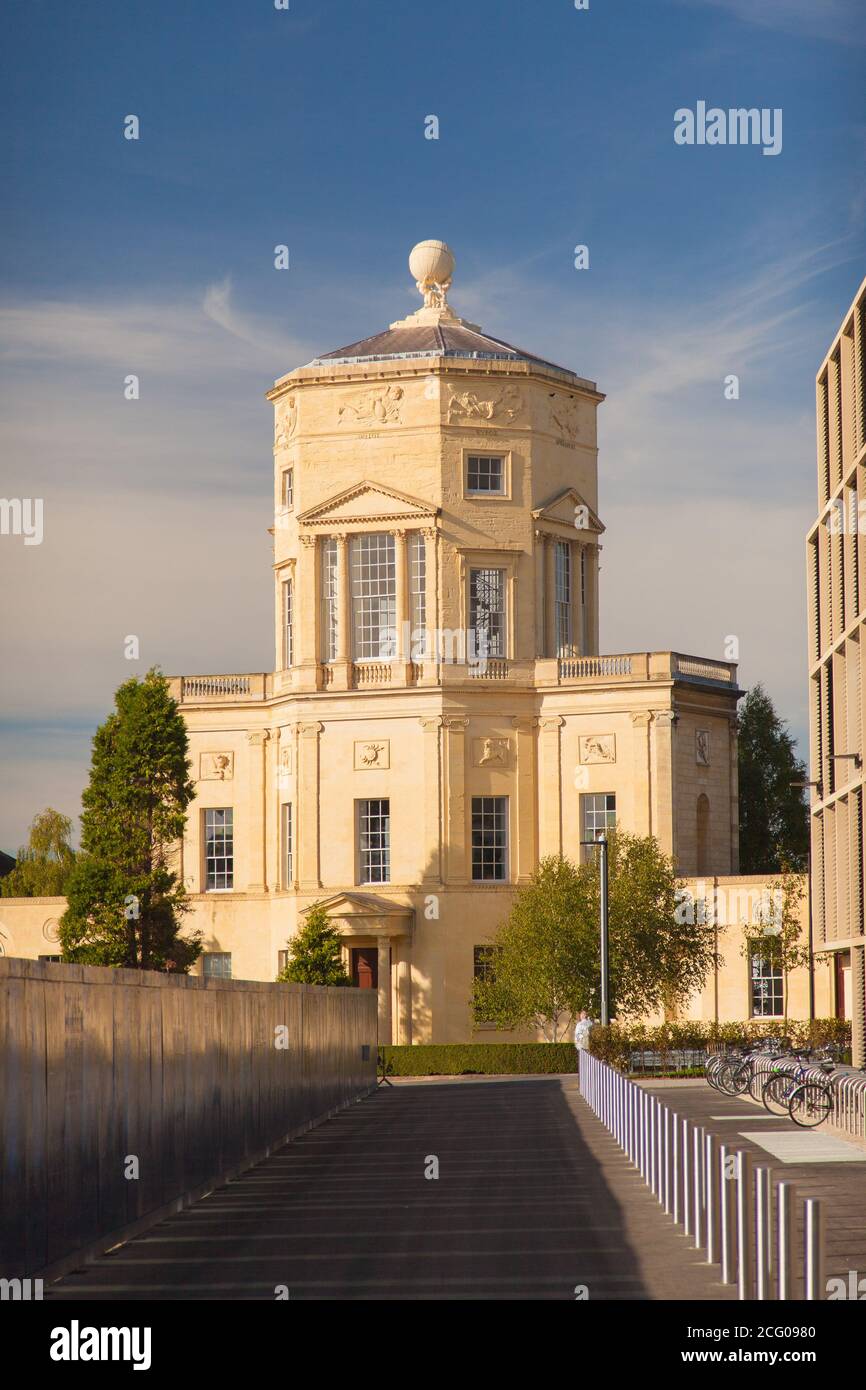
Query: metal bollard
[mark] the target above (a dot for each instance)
(763, 1234)
(698, 1138)
(688, 1199)
(657, 1150)
(713, 1197)
(785, 1193)
(727, 1211)
(813, 1251)
(676, 1174)
(745, 1227)
(660, 1153)
(643, 1134)
(666, 1159)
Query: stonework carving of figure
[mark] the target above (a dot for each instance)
(702, 747)
(564, 418)
(379, 407)
(495, 751)
(287, 428)
(465, 405)
(598, 748)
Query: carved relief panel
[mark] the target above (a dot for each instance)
(216, 767)
(597, 748)
(373, 754)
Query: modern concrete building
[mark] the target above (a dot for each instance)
(836, 566)
(439, 716)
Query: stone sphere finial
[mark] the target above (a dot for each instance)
(432, 265)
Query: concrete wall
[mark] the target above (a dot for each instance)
(184, 1074)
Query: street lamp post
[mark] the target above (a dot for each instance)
(600, 843)
(817, 786)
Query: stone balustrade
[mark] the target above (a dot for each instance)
(541, 674)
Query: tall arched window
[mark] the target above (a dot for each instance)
(703, 834)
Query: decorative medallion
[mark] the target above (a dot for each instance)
(51, 930)
(375, 754)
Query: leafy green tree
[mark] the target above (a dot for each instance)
(314, 954)
(775, 932)
(125, 901)
(547, 965)
(45, 863)
(539, 971)
(774, 817)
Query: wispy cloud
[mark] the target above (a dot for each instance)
(187, 336)
(840, 21)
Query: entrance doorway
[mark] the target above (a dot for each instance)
(843, 984)
(365, 967)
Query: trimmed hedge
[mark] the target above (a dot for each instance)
(479, 1059)
(616, 1043)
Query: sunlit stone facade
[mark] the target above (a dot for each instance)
(439, 715)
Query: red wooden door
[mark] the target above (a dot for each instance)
(365, 967)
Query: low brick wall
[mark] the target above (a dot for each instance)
(104, 1073)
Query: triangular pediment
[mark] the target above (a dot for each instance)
(562, 510)
(361, 905)
(368, 502)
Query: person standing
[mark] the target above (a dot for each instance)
(582, 1029)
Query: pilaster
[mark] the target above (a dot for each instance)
(524, 851)
(307, 807)
(456, 870)
(550, 780)
(256, 838)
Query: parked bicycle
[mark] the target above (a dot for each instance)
(735, 1072)
(807, 1099)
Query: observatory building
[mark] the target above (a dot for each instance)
(440, 715)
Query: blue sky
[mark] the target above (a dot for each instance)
(306, 127)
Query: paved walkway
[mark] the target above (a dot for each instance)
(795, 1155)
(533, 1198)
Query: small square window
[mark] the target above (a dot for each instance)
(216, 965)
(485, 475)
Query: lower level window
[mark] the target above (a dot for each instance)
(217, 965)
(598, 816)
(374, 840)
(767, 985)
(489, 839)
(219, 853)
(484, 961)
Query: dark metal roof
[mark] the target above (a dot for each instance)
(432, 340)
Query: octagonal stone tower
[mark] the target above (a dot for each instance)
(439, 716)
(473, 456)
